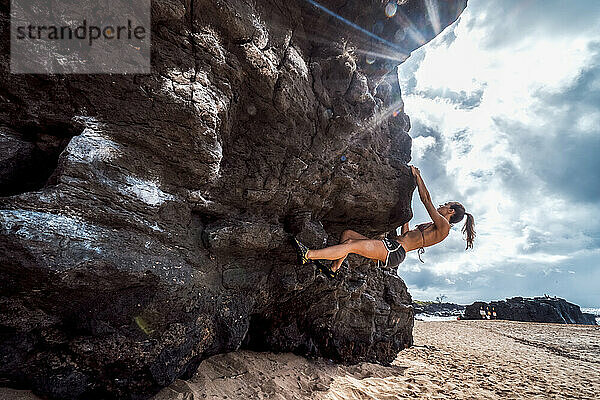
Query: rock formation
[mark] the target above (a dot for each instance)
(434, 308)
(145, 219)
(537, 309)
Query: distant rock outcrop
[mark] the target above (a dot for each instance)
(537, 309)
(145, 219)
(438, 309)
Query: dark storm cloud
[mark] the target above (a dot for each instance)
(422, 279)
(570, 165)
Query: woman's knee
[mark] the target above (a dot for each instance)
(350, 234)
(346, 234)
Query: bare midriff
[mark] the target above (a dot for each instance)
(414, 240)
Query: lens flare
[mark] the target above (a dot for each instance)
(383, 116)
(409, 28)
(391, 8)
(353, 25)
(433, 14)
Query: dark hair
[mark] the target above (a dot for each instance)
(469, 227)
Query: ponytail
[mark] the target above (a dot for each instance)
(469, 230)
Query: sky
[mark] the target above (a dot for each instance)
(505, 113)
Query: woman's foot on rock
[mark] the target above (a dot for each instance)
(302, 252)
(325, 269)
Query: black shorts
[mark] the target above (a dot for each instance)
(396, 252)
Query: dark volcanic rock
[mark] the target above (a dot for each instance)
(145, 219)
(589, 319)
(438, 309)
(537, 309)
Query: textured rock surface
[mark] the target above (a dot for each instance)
(537, 309)
(145, 219)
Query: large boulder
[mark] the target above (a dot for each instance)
(145, 219)
(537, 309)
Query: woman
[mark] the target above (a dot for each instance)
(393, 251)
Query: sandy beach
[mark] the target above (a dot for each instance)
(450, 359)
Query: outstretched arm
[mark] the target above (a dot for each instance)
(437, 218)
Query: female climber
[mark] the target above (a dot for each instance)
(392, 251)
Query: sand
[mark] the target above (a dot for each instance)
(455, 359)
(450, 360)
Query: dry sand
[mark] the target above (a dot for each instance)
(456, 360)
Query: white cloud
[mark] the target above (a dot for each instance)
(487, 155)
(421, 144)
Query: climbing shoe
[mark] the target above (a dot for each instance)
(302, 251)
(325, 269)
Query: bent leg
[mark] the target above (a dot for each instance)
(350, 234)
(373, 249)
(347, 235)
(337, 263)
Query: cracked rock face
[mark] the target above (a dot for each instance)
(145, 219)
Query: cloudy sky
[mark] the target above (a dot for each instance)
(505, 112)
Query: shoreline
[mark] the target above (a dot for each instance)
(488, 359)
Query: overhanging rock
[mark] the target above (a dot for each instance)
(145, 219)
